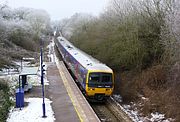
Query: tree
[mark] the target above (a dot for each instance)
(170, 35)
(39, 21)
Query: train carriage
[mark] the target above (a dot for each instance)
(96, 79)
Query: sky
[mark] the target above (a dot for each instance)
(59, 9)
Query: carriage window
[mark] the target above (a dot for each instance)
(99, 80)
(106, 77)
(100, 77)
(94, 77)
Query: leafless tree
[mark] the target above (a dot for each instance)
(171, 34)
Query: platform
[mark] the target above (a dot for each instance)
(69, 105)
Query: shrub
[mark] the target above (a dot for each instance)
(5, 101)
(23, 39)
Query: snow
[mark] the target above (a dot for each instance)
(28, 59)
(117, 97)
(158, 117)
(29, 70)
(133, 113)
(143, 98)
(126, 108)
(33, 112)
(35, 80)
(51, 54)
(8, 71)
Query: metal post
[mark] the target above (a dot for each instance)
(20, 91)
(42, 82)
(21, 64)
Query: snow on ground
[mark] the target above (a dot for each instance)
(126, 108)
(26, 65)
(158, 117)
(118, 98)
(137, 117)
(51, 51)
(33, 112)
(8, 71)
(35, 80)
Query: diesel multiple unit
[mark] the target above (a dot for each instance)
(95, 78)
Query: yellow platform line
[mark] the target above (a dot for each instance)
(69, 91)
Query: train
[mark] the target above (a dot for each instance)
(95, 79)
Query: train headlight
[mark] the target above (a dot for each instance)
(91, 89)
(108, 89)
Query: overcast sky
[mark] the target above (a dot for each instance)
(59, 9)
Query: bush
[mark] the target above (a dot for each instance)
(5, 102)
(126, 86)
(159, 85)
(23, 39)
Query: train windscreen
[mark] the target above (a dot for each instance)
(100, 80)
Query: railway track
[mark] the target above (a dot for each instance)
(109, 111)
(103, 112)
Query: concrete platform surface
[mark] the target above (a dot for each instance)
(62, 105)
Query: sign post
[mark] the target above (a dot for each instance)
(42, 81)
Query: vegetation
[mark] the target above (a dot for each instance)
(140, 42)
(5, 102)
(20, 33)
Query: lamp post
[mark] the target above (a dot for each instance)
(42, 80)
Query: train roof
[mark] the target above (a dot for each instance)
(84, 59)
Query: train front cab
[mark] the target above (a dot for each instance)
(99, 85)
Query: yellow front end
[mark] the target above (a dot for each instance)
(92, 91)
(103, 89)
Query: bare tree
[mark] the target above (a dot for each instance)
(39, 20)
(171, 34)
(62, 26)
(21, 13)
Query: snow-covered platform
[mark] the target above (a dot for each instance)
(69, 105)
